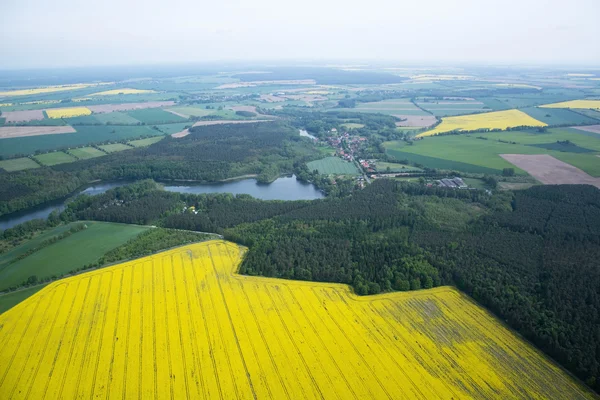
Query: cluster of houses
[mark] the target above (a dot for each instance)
(352, 144)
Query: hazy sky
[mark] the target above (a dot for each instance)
(39, 33)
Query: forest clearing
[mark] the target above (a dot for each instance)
(181, 324)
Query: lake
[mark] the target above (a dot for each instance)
(285, 188)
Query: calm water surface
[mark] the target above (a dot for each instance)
(286, 188)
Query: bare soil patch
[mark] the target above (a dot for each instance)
(186, 132)
(23, 116)
(21, 131)
(550, 171)
(106, 108)
(590, 128)
(421, 121)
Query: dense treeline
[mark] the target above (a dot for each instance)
(320, 123)
(152, 241)
(530, 257)
(208, 154)
(24, 189)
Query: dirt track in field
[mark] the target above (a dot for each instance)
(23, 116)
(422, 121)
(22, 131)
(178, 114)
(590, 128)
(106, 108)
(551, 171)
(186, 132)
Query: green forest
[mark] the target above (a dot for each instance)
(529, 256)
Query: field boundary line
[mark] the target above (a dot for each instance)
(194, 338)
(29, 351)
(45, 345)
(184, 361)
(60, 343)
(287, 331)
(258, 327)
(321, 338)
(229, 283)
(92, 325)
(369, 367)
(206, 331)
(71, 347)
(235, 335)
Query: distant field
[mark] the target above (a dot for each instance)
(75, 251)
(351, 125)
(491, 120)
(170, 129)
(113, 148)
(54, 158)
(83, 120)
(391, 107)
(441, 108)
(105, 108)
(154, 116)
(48, 89)
(591, 104)
(10, 299)
(83, 153)
(67, 112)
(18, 164)
(468, 153)
(415, 121)
(551, 171)
(116, 118)
(23, 131)
(122, 91)
(146, 142)
(191, 111)
(184, 324)
(23, 116)
(382, 166)
(85, 135)
(333, 165)
(558, 116)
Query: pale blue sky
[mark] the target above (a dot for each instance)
(39, 33)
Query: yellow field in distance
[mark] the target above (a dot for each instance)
(490, 120)
(115, 92)
(182, 324)
(592, 104)
(67, 112)
(50, 89)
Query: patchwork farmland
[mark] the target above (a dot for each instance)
(181, 324)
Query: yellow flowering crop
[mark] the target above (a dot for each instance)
(181, 324)
(122, 91)
(67, 112)
(594, 104)
(491, 120)
(50, 89)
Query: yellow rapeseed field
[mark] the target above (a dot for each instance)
(490, 120)
(122, 91)
(50, 89)
(593, 104)
(182, 324)
(67, 112)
